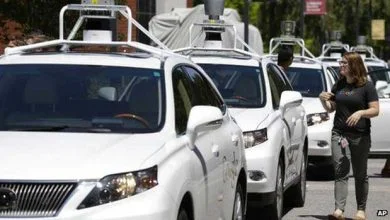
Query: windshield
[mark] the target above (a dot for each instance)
(309, 82)
(80, 98)
(240, 86)
(372, 67)
(383, 74)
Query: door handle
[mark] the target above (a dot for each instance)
(215, 150)
(294, 121)
(235, 139)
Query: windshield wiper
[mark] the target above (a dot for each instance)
(63, 127)
(43, 128)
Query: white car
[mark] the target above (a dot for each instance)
(310, 77)
(380, 138)
(272, 118)
(143, 135)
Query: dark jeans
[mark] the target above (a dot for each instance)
(357, 155)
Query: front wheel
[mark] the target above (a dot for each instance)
(298, 192)
(238, 207)
(275, 210)
(182, 214)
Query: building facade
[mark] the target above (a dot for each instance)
(142, 11)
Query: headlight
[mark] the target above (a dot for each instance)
(120, 186)
(252, 138)
(317, 118)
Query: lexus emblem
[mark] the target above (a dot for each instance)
(7, 199)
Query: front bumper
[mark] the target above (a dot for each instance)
(149, 205)
(320, 139)
(262, 160)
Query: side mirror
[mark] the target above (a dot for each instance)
(202, 118)
(108, 93)
(290, 99)
(380, 86)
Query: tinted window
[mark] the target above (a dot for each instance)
(82, 98)
(203, 90)
(383, 75)
(183, 98)
(372, 68)
(277, 84)
(309, 82)
(240, 86)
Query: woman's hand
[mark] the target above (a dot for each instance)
(326, 96)
(354, 118)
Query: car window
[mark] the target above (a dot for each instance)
(383, 75)
(308, 81)
(333, 72)
(277, 84)
(282, 75)
(81, 97)
(183, 96)
(202, 88)
(240, 86)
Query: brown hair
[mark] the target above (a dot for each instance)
(356, 68)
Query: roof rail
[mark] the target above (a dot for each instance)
(333, 46)
(366, 50)
(289, 40)
(215, 27)
(112, 9)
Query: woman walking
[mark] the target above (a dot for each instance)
(355, 101)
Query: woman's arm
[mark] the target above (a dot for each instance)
(326, 102)
(372, 111)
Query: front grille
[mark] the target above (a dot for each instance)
(33, 199)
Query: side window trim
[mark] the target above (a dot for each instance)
(274, 90)
(222, 107)
(181, 131)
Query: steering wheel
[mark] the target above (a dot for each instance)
(132, 116)
(241, 98)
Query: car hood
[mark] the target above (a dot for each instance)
(249, 119)
(72, 156)
(312, 105)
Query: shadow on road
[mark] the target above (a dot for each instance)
(321, 217)
(321, 173)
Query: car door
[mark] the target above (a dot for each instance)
(226, 145)
(299, 124)
(379, 134)
(291, 118)
(209, 146)
(205, 164)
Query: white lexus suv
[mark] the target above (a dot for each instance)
(92, 135)
(271, 116)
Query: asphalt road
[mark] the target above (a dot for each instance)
(320, 200)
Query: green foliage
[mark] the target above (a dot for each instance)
(341, 15)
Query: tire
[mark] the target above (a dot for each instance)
(275, 210)
(182, 214)
(297, 195)
(239, 204)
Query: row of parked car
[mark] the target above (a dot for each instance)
(196, 133)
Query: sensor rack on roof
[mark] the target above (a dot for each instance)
(215, 27)
(112, 9)
(236, 53)
(291, 41)
(366, 50)
(332, 46)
